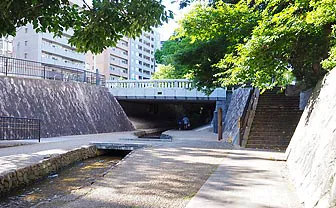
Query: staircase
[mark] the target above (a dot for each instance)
(275, 120)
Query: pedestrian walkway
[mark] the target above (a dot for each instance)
(194, 170)
(247, 178)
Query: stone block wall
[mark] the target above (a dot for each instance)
(312, 150)
(65, 108)
(237, 104)
(25, 176)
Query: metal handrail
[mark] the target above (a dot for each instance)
(18, 128)
(26, 68)
(246, 119)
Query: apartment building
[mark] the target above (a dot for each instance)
(6, 46)
(130, 59)
(112, 62)
(142, 61)
(44, 47)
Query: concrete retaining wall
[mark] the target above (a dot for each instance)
(65, 108)
(25, 176)
(238, 102)
(312, 151)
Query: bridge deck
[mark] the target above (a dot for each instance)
(175, 89)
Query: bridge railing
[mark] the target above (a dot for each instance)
(169, 83)
(168, 89)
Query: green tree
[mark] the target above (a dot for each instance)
(265, 43)
(167, 72)
(283, 43)
(207, 34)
(95, 26)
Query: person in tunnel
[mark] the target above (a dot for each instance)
(186, 122)
(180, 124)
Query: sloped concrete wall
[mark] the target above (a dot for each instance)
(312, 151)
(65, 108)
(236, 108)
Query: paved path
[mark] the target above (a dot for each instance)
(195, 168)
(246, 178)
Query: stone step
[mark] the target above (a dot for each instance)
(278, 124)
(280, 99)
(279, 112)
(270, 138)
(277, 116)
(275, 120)
(256, 142)
(268, 125)
(282, 107)
(275, 147)
(278, 105)
(270, 133)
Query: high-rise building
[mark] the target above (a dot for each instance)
(142, 60)
(6, 46)
(112, 62)
(130, 59)
(44, 47)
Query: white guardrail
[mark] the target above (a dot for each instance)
(168, 89)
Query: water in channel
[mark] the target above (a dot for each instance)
(57, 185)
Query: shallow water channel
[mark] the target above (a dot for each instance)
(57, 185)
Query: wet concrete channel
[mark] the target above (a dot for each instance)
(59, 184)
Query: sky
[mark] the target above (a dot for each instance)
(167, 29)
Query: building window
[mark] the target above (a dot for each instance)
(26, 30)
(26, 42)
(26, 55)
(124, 43)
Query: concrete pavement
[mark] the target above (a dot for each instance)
(194, 170)
(247, 178)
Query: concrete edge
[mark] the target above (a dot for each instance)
(21, 177)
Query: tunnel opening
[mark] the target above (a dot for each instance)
(159, 114)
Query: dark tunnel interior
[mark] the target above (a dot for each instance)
(156, 114)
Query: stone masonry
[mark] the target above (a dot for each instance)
(25, 176)
(312, 150)
(65, 108)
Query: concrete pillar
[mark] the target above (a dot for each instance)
(220, 124)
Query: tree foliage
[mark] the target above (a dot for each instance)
(265, 43)
(95, 26)
(166, 72)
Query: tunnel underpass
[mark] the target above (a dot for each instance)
(165, 114)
